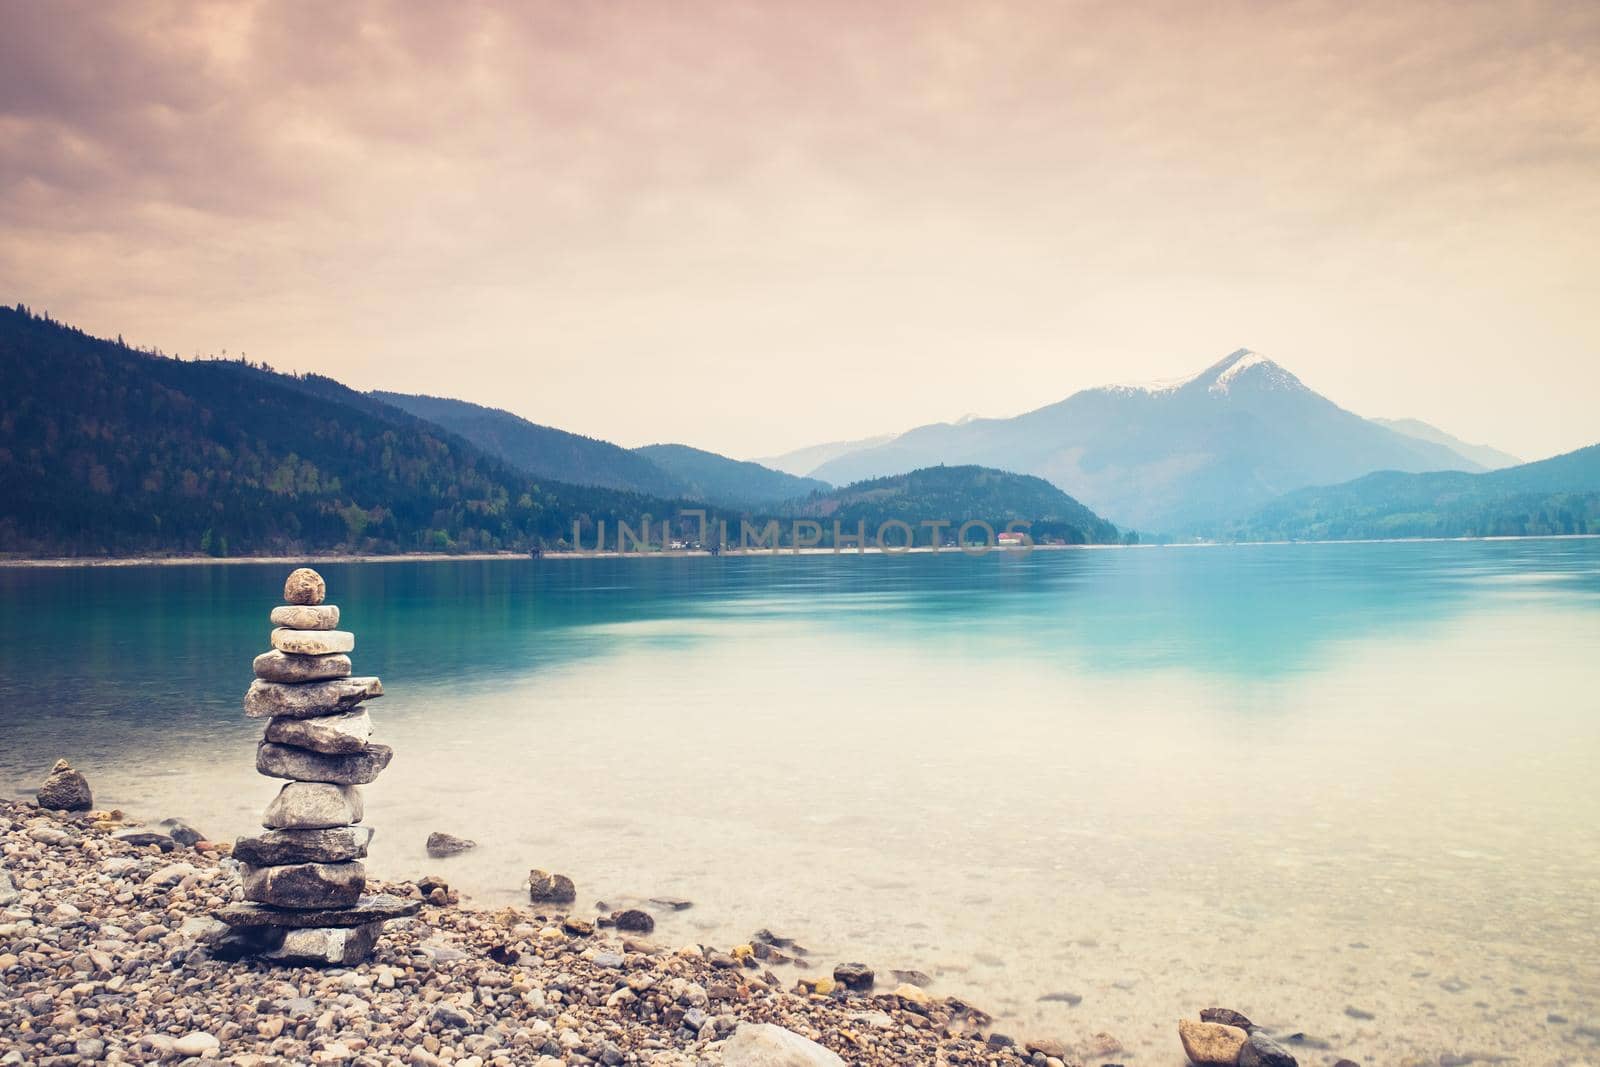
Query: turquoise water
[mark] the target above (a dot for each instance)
(1292, 779)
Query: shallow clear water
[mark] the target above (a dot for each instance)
(1288, 779)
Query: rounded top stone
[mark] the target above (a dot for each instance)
(305, 586)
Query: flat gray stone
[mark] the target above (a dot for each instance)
(308, 700)
(313, 642)
(277, 847)
(379, 908)
(316, 946)
(313, 806)
(278, 666)
(306, 616)
(306, 885)
(302, 765)
(334, 735)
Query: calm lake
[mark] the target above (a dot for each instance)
(1315, 783)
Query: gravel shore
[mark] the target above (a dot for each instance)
(109, 953)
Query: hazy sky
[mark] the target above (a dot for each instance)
(758, 226)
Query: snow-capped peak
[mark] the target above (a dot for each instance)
(1244, 365)
(1218, 379)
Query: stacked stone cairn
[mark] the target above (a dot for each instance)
(303, 878)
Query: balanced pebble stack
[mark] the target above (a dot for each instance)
(304, 879)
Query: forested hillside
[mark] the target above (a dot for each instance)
(106, 450)
(1560, 495)
(956, 494)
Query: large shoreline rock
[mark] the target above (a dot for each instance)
(65, 789)
(309, 700)
(303, 765)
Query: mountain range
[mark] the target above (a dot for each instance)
(1170, 458)
(106, 449)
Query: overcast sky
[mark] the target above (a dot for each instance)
(757, 226)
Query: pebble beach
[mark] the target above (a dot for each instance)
(109, 953)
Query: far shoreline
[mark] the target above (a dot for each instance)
(57, 562)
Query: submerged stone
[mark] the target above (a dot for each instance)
(309, 700)
(306, 885)
(277, 847)
(278, 666)
(547, 888)
(441, 845)
(306, 616)
(302, 765)
(378, 908)
(312, 806)
(336, 735)
(313, 642)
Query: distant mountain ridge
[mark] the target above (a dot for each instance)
(1174, 457)
(542, 451)
(1483, 455)
(671, 470)
(804, 462)
(1560, 495)
(704, 475)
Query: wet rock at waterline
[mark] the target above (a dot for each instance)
(1261, 1051)
(546, 888)
(856, 976)
(313, 642)
(306, 617)
(1211, 1044)
(633, 921)
(65, 789)
(278, 666)
(330, 845)
(181, 832)
(308, 700)
(304, 586)
(1227, 1017)
(442, 845)
(341, 734)
(140, 837)
(303, 765)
